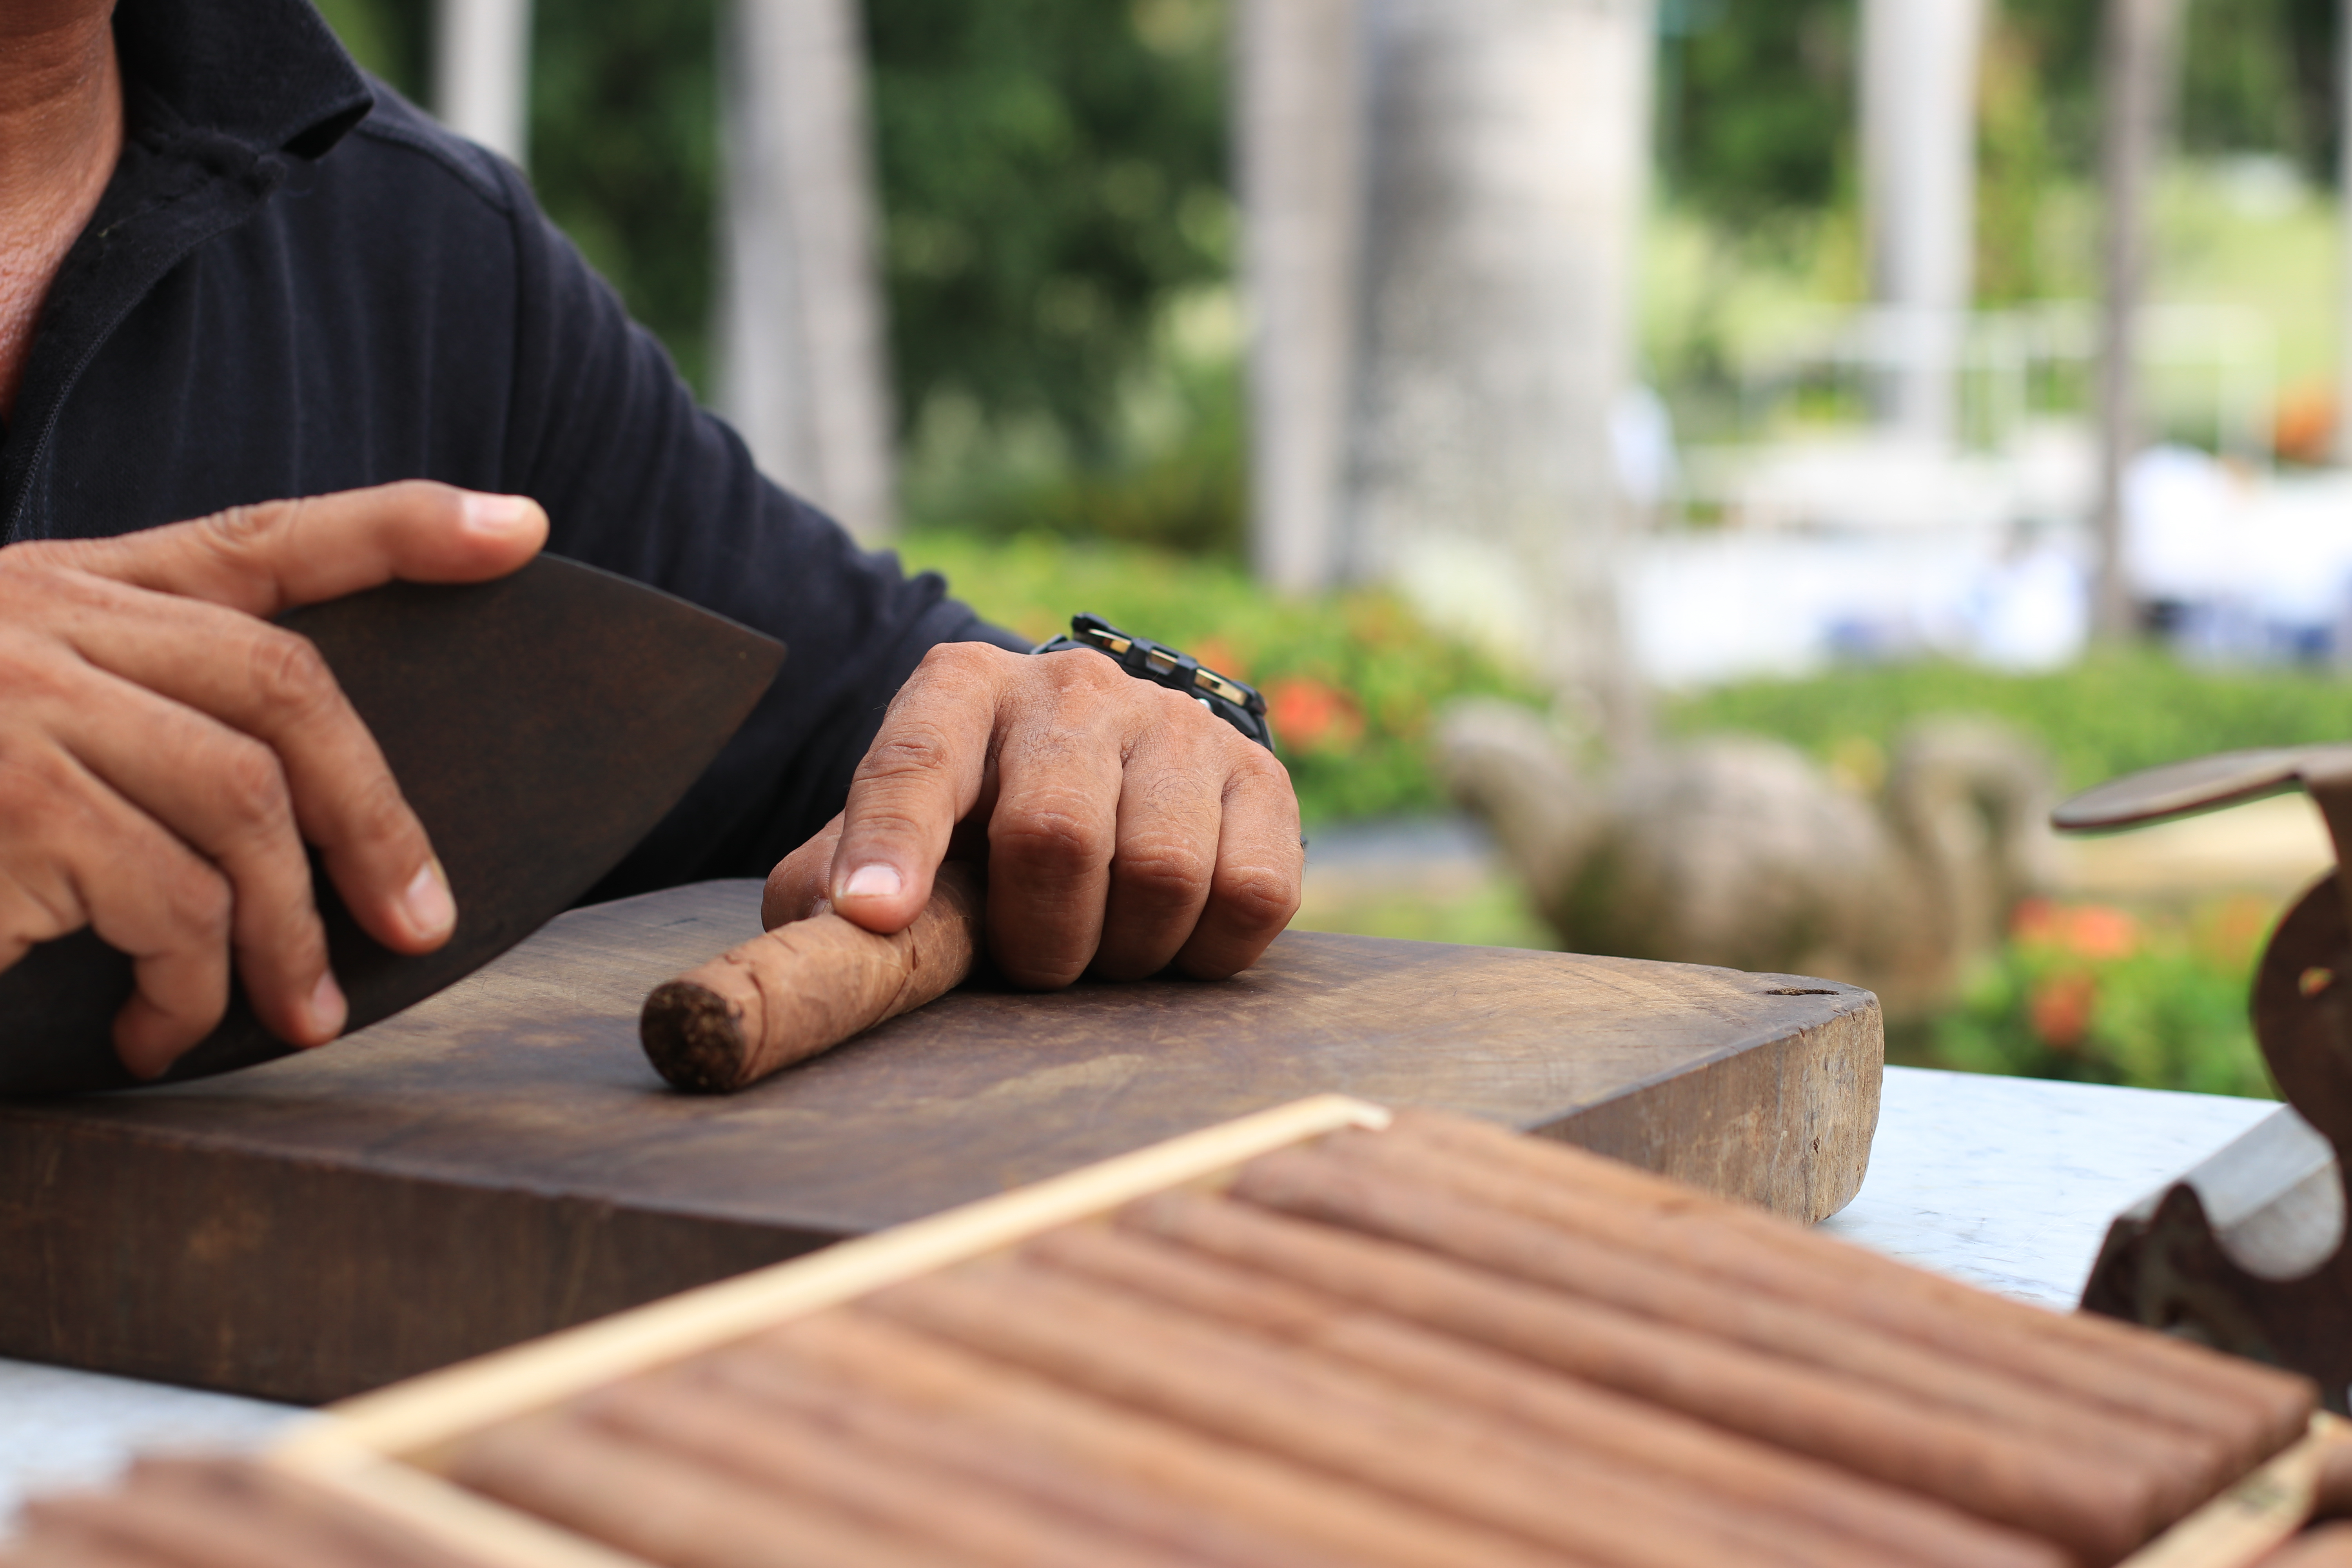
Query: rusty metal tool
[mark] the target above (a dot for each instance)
(2248, 1251)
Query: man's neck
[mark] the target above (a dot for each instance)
(60, 134)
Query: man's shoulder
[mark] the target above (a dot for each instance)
(400, 141)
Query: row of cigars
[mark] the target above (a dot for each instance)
(1407, 1342)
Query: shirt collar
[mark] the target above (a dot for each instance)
(269, 74)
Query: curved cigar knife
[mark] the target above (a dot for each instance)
(540, 725)
(2165, 1262)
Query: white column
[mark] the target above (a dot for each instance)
(1299, 136)
(481, 72)
(803, 370)
(2136, 59)
(2344, 229)
(1918, 139)
(1509, 155)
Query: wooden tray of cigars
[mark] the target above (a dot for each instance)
(1323, 1334)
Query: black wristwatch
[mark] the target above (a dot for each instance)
(1237, 702)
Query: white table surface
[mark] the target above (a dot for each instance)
(2005, 1182)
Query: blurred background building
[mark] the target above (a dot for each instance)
(1669, 366)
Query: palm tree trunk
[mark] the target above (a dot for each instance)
(1918, 139)
(481, 72)
(1509, 155)
(1298, 135)
(2137, 49)
(804, 372)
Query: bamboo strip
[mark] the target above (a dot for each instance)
(1341, 1332)
(2246, 1522)
(426, 1412)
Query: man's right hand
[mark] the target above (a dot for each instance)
(165, 752)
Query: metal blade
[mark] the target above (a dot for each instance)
(539, 726)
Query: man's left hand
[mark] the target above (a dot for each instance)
(1124, 826)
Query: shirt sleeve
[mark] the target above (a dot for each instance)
(638, 479)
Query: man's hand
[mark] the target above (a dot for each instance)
(165, 752)
(1125, 827)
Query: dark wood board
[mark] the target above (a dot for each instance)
(500, 1161)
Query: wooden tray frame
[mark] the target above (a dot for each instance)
(382, 1450)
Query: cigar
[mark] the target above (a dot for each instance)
(931, 1440)
(701, 1418)
(806, 986)
(633, 1496)
(228, 1513)
(1351, 1183)
(2255, 1410)
(2075, 1502)
(1331, 1522)
(1398, 1444)
(1902, 1528)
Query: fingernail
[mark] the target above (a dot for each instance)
(326, 1008)
(497, 517)
(430, 911)
(873, 882)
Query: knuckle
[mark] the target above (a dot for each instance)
(378, 814)
(906, 750)
(240, 529)
(253, 785)
(289, 673)
(196, 903)
(1258, 899)
(1052, 838)
(1167, 870)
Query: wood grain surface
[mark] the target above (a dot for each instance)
(499, 1161)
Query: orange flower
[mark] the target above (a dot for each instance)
(2095, 932)
(2101, 931)
(2060, 1008)
(1219, 655)
(1312, 716)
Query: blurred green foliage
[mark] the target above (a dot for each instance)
(2103, 995)
(2113, 714)
(1052, 171)
(1351, 680)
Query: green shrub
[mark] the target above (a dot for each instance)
(2094, 993)
(2110, 715)
(1351, 678)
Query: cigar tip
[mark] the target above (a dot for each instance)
(694, 1037)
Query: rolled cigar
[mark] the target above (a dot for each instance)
(68, 1547)
(1334, 1521)
(782, 1451)
(634, 1497)
(2152, 1375)
(1901, 1528)
(805, 987)
(1206, 1377)
(2330, 1546)
(1348, 1184)
(931, 1440)
(233, 1514)
(2075, 1502)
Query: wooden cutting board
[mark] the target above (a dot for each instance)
(500, 1161)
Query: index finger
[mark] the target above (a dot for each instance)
(921, 776)
(273, 555)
